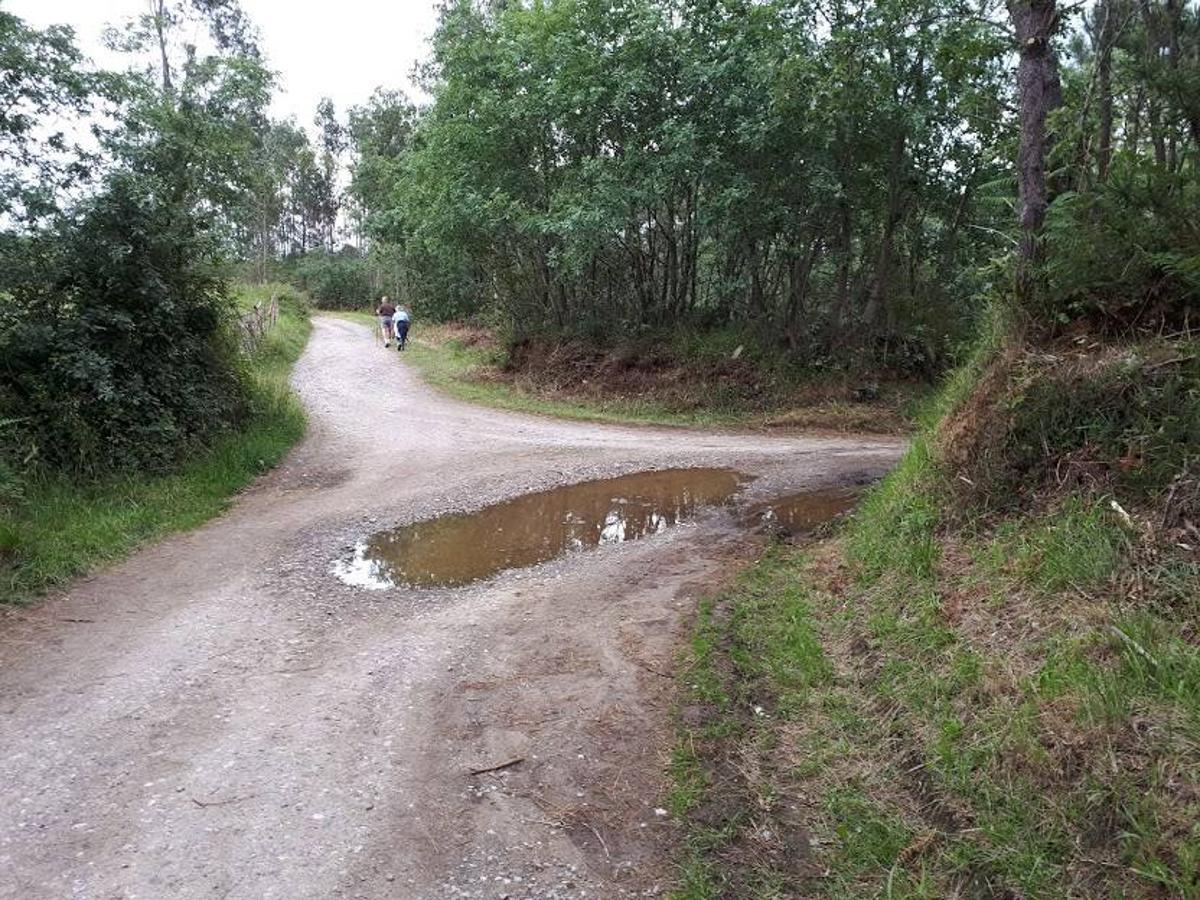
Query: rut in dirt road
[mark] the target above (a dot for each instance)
(221, 717)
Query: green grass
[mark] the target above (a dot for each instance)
(807, 723)
(63, 529)
(464, 372)
(954, 706)
(779, 715)
(1079, 545)
(908, 546)
(452, 367)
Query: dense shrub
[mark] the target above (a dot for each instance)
(336, 281)
(116, 345)
(1127, 250)
(1126, 419)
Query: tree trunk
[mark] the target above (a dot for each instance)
(1154, 43)
(1105, 40)
(1039, 92)
(800, 272)
(1184, 96)
(158, 9)
(838, 320)
(1157, 135)
(877, 297)
(1133, 123)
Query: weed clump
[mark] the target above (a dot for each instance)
(1123, 419)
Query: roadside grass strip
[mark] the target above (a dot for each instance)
(62, 528)
(454, 360)
(462, 371)
(914, 708)
(848, 739)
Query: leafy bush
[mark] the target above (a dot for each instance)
(1127, 250)
(336, 281)
(116, 345)
(1130, 418)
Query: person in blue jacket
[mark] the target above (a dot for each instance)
(400, 327)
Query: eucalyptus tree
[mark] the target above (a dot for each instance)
(45, 85)
(380, 133)
(269, 221)
(166, 36)
(331, 144)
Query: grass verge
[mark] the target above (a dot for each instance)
(62, 529)
(962, 697)
(450, 360)
(467, 372)
(466, 364)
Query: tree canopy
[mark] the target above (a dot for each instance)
(847, 182)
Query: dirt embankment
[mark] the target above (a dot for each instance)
(987, 685)
(220, 717)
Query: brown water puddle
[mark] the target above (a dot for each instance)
(454, 550)
(801, 513)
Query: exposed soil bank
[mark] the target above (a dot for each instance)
(219, 716)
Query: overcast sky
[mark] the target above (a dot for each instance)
(342, 49)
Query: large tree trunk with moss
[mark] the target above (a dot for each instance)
(1039, 92)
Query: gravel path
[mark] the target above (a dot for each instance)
(218, 717)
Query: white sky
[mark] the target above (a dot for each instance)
(343, 49)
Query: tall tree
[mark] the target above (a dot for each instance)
(331, 138)
(43, 86)
(1038, 91)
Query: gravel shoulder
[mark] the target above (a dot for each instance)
(219, 717)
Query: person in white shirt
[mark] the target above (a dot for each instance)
(400, 327)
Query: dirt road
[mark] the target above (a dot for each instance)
(220, 717)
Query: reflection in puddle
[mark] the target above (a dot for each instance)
(458, 549)
(801, 513)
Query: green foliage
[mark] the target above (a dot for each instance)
(117, 346)
(1133, 417)
(336, 281)
(44, 81)
(1128, 249)
(381, 131)
(61, 527)
(601, 170)
(117, 338)
(1121, 246)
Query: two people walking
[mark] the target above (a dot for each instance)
(393, 322)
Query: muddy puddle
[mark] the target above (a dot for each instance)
(798, 514)
(455, 550)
